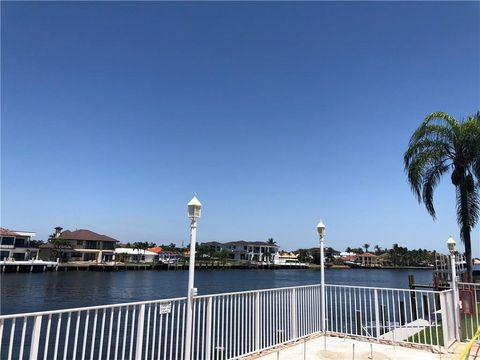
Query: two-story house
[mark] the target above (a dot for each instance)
(15, 245)
(80, 245)
(251, 251)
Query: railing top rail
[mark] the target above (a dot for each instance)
(469, 284)
(87, 308)
(314, 285)
(257, 290)
(386, 288)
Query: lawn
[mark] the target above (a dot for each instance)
(468, 323)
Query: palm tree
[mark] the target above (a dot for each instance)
(442, 145)
(378, 249)
(366, 246)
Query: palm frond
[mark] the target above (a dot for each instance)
(423, 165)
(441, 117)
(430, 181)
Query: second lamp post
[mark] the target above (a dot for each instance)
(194, 211)
(321, 234)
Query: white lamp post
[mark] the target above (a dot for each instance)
(451, 244)
(321, 234)
(194, 211)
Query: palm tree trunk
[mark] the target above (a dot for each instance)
(468, 255)
(465, 229)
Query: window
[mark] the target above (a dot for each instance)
(8, 240)
(19, 256)
(4, 254)
(91, 244)
(107, 245)
(20, 242)
(79, 242)
(89, 257)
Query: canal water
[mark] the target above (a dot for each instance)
(29, 292)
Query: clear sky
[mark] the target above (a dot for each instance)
(276, 114)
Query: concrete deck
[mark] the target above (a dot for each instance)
(344, 348)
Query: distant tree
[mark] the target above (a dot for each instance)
(442, 144)
(348, 249)
(59, 247)
(303, 255)
(366, 246)
(36, 243)
(378, 250)
(271, 241)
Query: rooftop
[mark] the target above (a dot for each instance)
(7, 232)
(83, 234)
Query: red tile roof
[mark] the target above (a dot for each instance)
(6, 232)
(156, 249)
(83, 234)
(368, 255)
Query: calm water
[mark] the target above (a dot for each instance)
(56, 290)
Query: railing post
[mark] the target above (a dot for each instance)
(208, 335)
(37, 326)
(448, 320)
(377, 314)
(293, 302)
(257, 320)
(140, 326)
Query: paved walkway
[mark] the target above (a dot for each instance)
(340, 348)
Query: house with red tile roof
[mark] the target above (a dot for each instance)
(167, 257)
(368, 260)
(80, 245)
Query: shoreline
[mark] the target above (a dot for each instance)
(20, 268)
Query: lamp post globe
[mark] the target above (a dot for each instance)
(321, 229)
(451, 244)
(194, 208)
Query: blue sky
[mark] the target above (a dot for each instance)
(275, 114)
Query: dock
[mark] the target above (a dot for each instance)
(41, 266)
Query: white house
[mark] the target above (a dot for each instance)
(15, 245)
(286, 258)
(249, 251)
(135, 255)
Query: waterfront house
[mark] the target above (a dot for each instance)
(15, 245)
(80, 245)
(166, 257)
(346, 254)
(286, 258)
(247, 251)
(135, 255)
(368, 260)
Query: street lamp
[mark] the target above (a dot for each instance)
(451, 244)
(321, 234)
(194, 211)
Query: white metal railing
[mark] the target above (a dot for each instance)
(229, 325)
